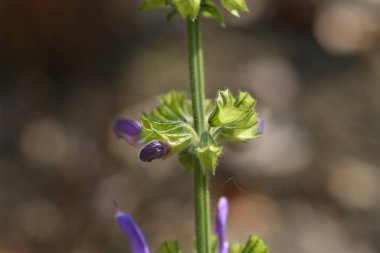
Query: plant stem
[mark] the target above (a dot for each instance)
(201, 191)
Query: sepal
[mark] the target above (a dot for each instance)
(210, 10)
(235, 118)
(208, 152)
(234, 6)
(187, 8)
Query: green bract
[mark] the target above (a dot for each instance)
(230, 118)
(234, 6)
(208, 152)
(235, 118)
(194, 8)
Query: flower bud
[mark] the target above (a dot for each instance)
(128, 130)
(154, 150)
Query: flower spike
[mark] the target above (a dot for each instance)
(154, 150)
(132, 232)
(220, 224)
(128, 130)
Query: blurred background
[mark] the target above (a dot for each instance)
(69, 68)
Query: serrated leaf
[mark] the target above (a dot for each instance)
(169, 247)
(187, 8)
(208, 152)
(234, 6)
(175, 133)
(151, 4)
(209, 10)
(254, 245)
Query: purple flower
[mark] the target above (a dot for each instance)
(132, 232)
(154, 150)
(128, 130)
(220, 224)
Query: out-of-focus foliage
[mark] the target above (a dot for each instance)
(69, 68)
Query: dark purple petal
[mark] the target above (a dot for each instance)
(220, 224)
(260, 125)
(154, 150)
(127, 129)
(132, 232)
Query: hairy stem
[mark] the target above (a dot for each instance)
(201, 191)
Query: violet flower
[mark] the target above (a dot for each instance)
(154, 150)
(128, 130)
(220, 224)
(132, 232)
(137, 240)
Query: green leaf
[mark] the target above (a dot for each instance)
(234, 6)
(208, 152)
(169, 247)
(209, 10)
(151, 4)
(254, 245)
(187, 8)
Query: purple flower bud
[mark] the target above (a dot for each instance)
(220, 224)
(154, 150)
(260, 125)
(128, 130)
(132, 232)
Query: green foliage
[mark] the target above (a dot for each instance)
(169, 247)
(194, 8)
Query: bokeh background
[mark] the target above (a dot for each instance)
(69, 68)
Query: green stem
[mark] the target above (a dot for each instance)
(201, 191)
